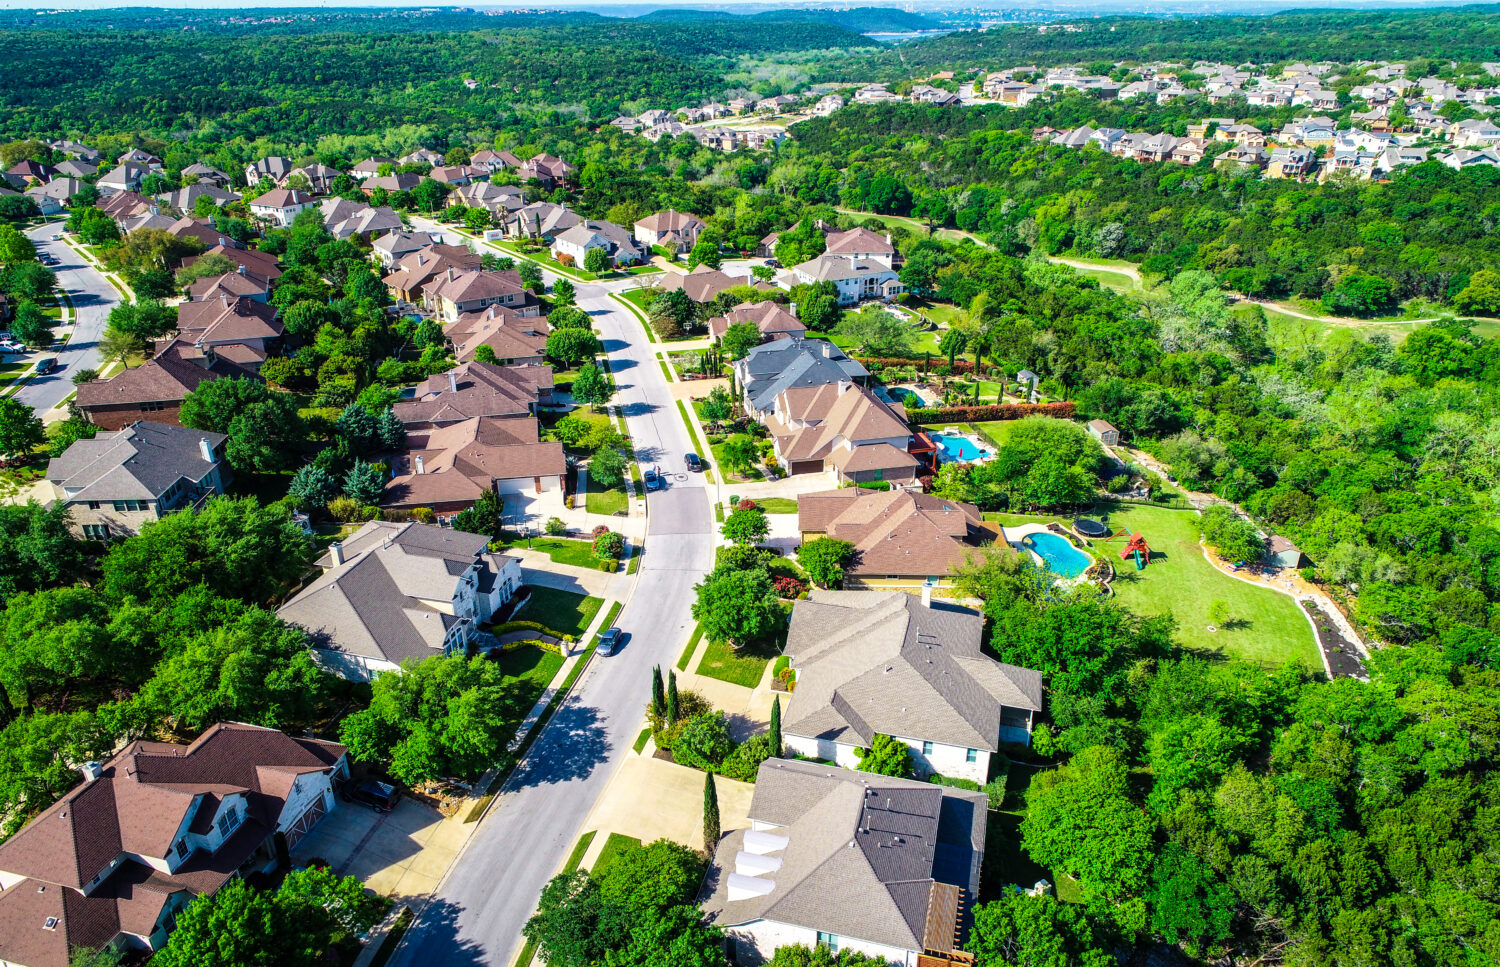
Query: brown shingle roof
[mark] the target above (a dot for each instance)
(772, 319)
(894, 532)
(168, 378)
(476, 389)
(463, 460)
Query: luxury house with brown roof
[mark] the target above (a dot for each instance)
(454, 293)
(514, 337)
(703, 284)
(239, 284)
(848, 860)
(673, 230)
(117, 858)
(773, 320)
(280, 206)
(449, 467)
(476, 389)
(841, 427)
(242, 331)
(416, 269)
(153, 391)
(900, 537)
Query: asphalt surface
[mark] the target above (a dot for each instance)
(92, 297)
(477, 913)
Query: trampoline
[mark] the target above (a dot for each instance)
(1089, 528)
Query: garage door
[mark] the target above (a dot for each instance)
(305, 823)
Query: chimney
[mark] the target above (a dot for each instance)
(336, 553)
(91, 770)
(224, 298)
(452, 382)
(206, 450)
(926, 594)
(421, 467)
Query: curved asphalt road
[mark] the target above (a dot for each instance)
(92, 297)
(476, 915)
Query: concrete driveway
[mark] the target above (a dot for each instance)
(401, 854)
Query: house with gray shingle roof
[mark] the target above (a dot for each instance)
(883, 662)
(772, 368)
(393, 592)
(847, 861)
(121, 480)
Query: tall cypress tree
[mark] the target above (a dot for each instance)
(776, 726)
(711, 829)
(671, 697)
(658, 699)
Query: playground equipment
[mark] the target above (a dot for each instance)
(1137, 548)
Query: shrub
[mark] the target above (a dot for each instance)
(746, 504)
(608, 546)
(781, 664)
(599, 529)
(745, 760)
(689, 706)
(953, 782)
(985, 414)
(788, 587)
(887, 756)
(347, 510)
(704, 741)
(538, 627)
(556, 527)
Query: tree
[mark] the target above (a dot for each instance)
(824, 559)
(711, 831)
(739, 339)
(569, 317)
(673, 704)
(568, 347)
(658, 693)
(818, 305)
(887, 756)
(591, 385)
(364, 482)
(608, 467)
(746, 527)
(531, 276)
(21, 430)
(146, 320)
(740, 452)
(208, 266)
(952, 344)
(64, 434)
(264, 436)
(775, 729)
(738, 606)
(596, 261)
(609, 546)
(876, 331)
(705, 252)
(672, 314)
(31, 325)
(717, 406)
(93, 225)
(15, 245)
(800, 243)
(313, 487)
(1036, 931)
(1232, 536)
(763, 273)
(215, 403)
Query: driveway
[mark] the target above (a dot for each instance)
(92, 297)
(400, 854)
(476, 915)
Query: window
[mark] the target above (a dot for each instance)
(927, 748)
(972, 755)
(879, 474)
(131, 505)
(181, 849)
(97, 532)
(152, 406)
(93, 505)
(828, 941)
(229, 821)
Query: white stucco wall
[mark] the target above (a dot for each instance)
(756, 942)
(947, 760)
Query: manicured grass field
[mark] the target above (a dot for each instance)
(729, 475)
(605, 501)
(1265, 625)
(997, 431)
(640, 298)
(692, 646)
(742, 667)
(613, 847)
(534, 666)
(564, 611)
(776, 505)
(562, 550)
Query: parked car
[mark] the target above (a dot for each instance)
(772, 264)
(652, 478)
(46, 364)
(610, 641)
(694, 465)
(379, 796)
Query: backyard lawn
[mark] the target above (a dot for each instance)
(744, 666)
(562, 550)
(605, 501)
(528, 671)
(1264, 625)
(997, 431)
(563, 611)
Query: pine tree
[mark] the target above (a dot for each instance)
(711, 829)
(671, 698)
(776, 726)
(658, 699)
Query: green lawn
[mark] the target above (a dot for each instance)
(562, 550)
(730, 476)
(532, 666)
(738, 667)
(776, 505)
(640, 740)
(640, 298)
(692, 645)
(1267, 626)
(605, 501)
(564, 611)
(998, 431)
(613, 847)
(544, 256)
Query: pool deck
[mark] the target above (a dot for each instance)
(985, 448)
(1015, 535)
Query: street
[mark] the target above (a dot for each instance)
(477, 913)
(93, 297)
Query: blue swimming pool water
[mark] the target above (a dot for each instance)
(1062, 558)
(955, 448)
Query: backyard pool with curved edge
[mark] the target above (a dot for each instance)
(952, 448)
(1060, 556)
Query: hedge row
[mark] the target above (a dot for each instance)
(510, 626)
(959, 365)
(985, 414)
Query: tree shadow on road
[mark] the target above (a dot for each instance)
(637, 409)
(434, 940)
(571, 748)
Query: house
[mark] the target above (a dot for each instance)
(612, 239)
(127, 177)
(673, 230)
(390, 592)
(495, 161)
(474, 389)
(454, 292)
(871, 94)
(55, 195)
(280, 206)
(516, 338)
(240, 284)
(541, 220)
(121, 479)
(320, 178)
(152, 391)
(900, 538)
(399, 181)
(772, 368)
(855, 278)
(258, 266)
(1104, 433)
(33, 172)
(740, 105)
(848, 861)
(885, 662)
(207, 175)
(1188, 152)
(347, 219)
(773, 320)
(703, 284)
(1242, 155)
(926, 94)
(186, 199)
(827, 104)
(1155, 147)
(422, 156)
(628, 124)
(550, 171)
(370, 167)
(241, 331)
(1283, 553)
(499, 200)
(392, 247)
(117, 858)
(1310, 132)
(1290, 162)
(204, 231)
(77, 169)
(76, 150)
(273, 169)
(145, 159)
(843, 428)
(457, 175)
(1478, 133)
(416, 269)
(1460, 158)
(861, 243)
(449, 467)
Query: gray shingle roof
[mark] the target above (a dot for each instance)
(877, 661)
(772, 368)
(140, 462)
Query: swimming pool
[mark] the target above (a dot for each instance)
(951, 448)
(1061, 557)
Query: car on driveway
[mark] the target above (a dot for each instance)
(694, 465)
(379, 796)
(610, 641)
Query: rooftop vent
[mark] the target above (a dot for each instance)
(50, 923)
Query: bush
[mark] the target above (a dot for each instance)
(608, 546)
(781, 664)
(704, 742)
(690, 705)
(555, 526)
(788, 587)
(347, 510)
(745, 760)
(746, 504)
(953, 782)
(985, 414)
(510, 626)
